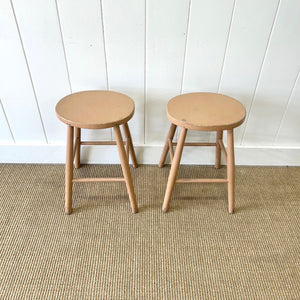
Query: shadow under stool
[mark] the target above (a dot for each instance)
(202, 112)
(97, 110)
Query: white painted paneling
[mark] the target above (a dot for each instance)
(277, 78)
(16, 91)
(206, 45)
(82, 32)
(5, 134)
(124, 31)
(152, 51)
(289, 133)
(250, 31)
(166, 24)
(40, 33)
(81, 25)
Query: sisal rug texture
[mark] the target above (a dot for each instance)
(103, 251)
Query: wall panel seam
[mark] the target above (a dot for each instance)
(5, 116)
(286, 108)
(259, 74)
(28, 69)
(105, 56)
(64, 48)
(227, 43)
(185, 48)
(145, 71)
(104, 44)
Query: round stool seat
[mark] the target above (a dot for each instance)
(95, 109)
(205, 111)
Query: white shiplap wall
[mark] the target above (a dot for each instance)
(151, 50)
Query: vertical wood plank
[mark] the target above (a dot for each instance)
(40, 33)
(289, 132)
(251, 27)
(124, 29)
(82, 33)
(165, 46)
(16, 91)
(208, 33)
(206, 45)
(81, 26)
(277, 78)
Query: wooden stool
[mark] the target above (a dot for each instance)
(202, 112)
(97, 110)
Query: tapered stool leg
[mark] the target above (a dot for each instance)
(77, 150)
(166, 146)
(218, 149)
(174, 169)
(69, 170)
(125, 168)
(230, 170)
(131, 149)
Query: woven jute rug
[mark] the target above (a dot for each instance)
(103, 251)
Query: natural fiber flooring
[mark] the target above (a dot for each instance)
(195, 251)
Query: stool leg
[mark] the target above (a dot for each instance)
(230, 170)
(174, 169)
(77, 150)
(69, 170)
(125, 168)
(166, 147)
(131, 149)
(218, 149)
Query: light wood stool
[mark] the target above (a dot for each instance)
(202, 112)
(97, 110)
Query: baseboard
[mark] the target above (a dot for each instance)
(149, 154)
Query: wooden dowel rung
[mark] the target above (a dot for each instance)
(111, 179)
(223, 149)
(201, 180)
(98, 143)
(196, 144)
